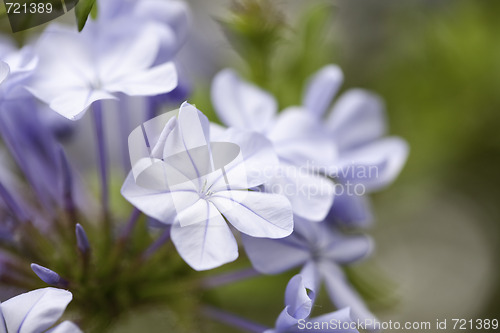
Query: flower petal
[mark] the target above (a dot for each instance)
(342, 293)
(124, 49)
(256, 214)
(255, 166)
(357, 118)
(73, 103)
(273, 256)
(298, 305)
(302, 140)
(311, 195)
(349, 249)
(4, 71)
(321, 89)
(340, 317)
(187, 147)
(173, 13)
(351, 210)
(149, 82)
(35, 311)
(160, 205)
(208, 244)
(374, 165)
(240, 104)
(65, 68)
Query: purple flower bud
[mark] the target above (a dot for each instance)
(82, 240)
(48, 276)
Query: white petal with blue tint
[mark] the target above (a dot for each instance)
(207, 244)
(153, 81)
(160, 205)
(351, 210)
(358, 117)
(256, 214)
(35, 311)
(343, 294)
(242, 105)
(257, 163)
(350, 249)
(302, 140)
(273, 256)
(311, 195)
(4, 71)
(321, 89)
(374, 165)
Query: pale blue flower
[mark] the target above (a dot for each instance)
(16, 68)
(36, 312)
(172, 18)
(298, 139)
(186, 182)
(357, 124)
(295, 317)
(77, 69)
(320, 250)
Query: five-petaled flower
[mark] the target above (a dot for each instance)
(77, 69)
(298, 139)
(320, 250)
(36, 311)
(195, 185)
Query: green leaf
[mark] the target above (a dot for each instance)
(82, 11)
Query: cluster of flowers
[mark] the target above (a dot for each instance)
(271, 175)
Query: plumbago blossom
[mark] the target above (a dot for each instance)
(16, 67)
(195, 198)
(357, 125)
(320, 250)
(347, 146)
(36, 311)
(299, 302)
(298, 140)
(113, 56)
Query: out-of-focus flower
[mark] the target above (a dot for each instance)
(320, 250)
(77, 69)
(36, 311)
(357, 125)
(192, 183)
(298, 307)
(16, 67)
(298, 139)
(171, 18)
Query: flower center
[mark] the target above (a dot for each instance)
(205, 192)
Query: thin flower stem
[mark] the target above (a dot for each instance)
(102, 160)
(151, 109)
(129, 227)
(124, 118)
(233, 320)
(230, 277)
(67, 187)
